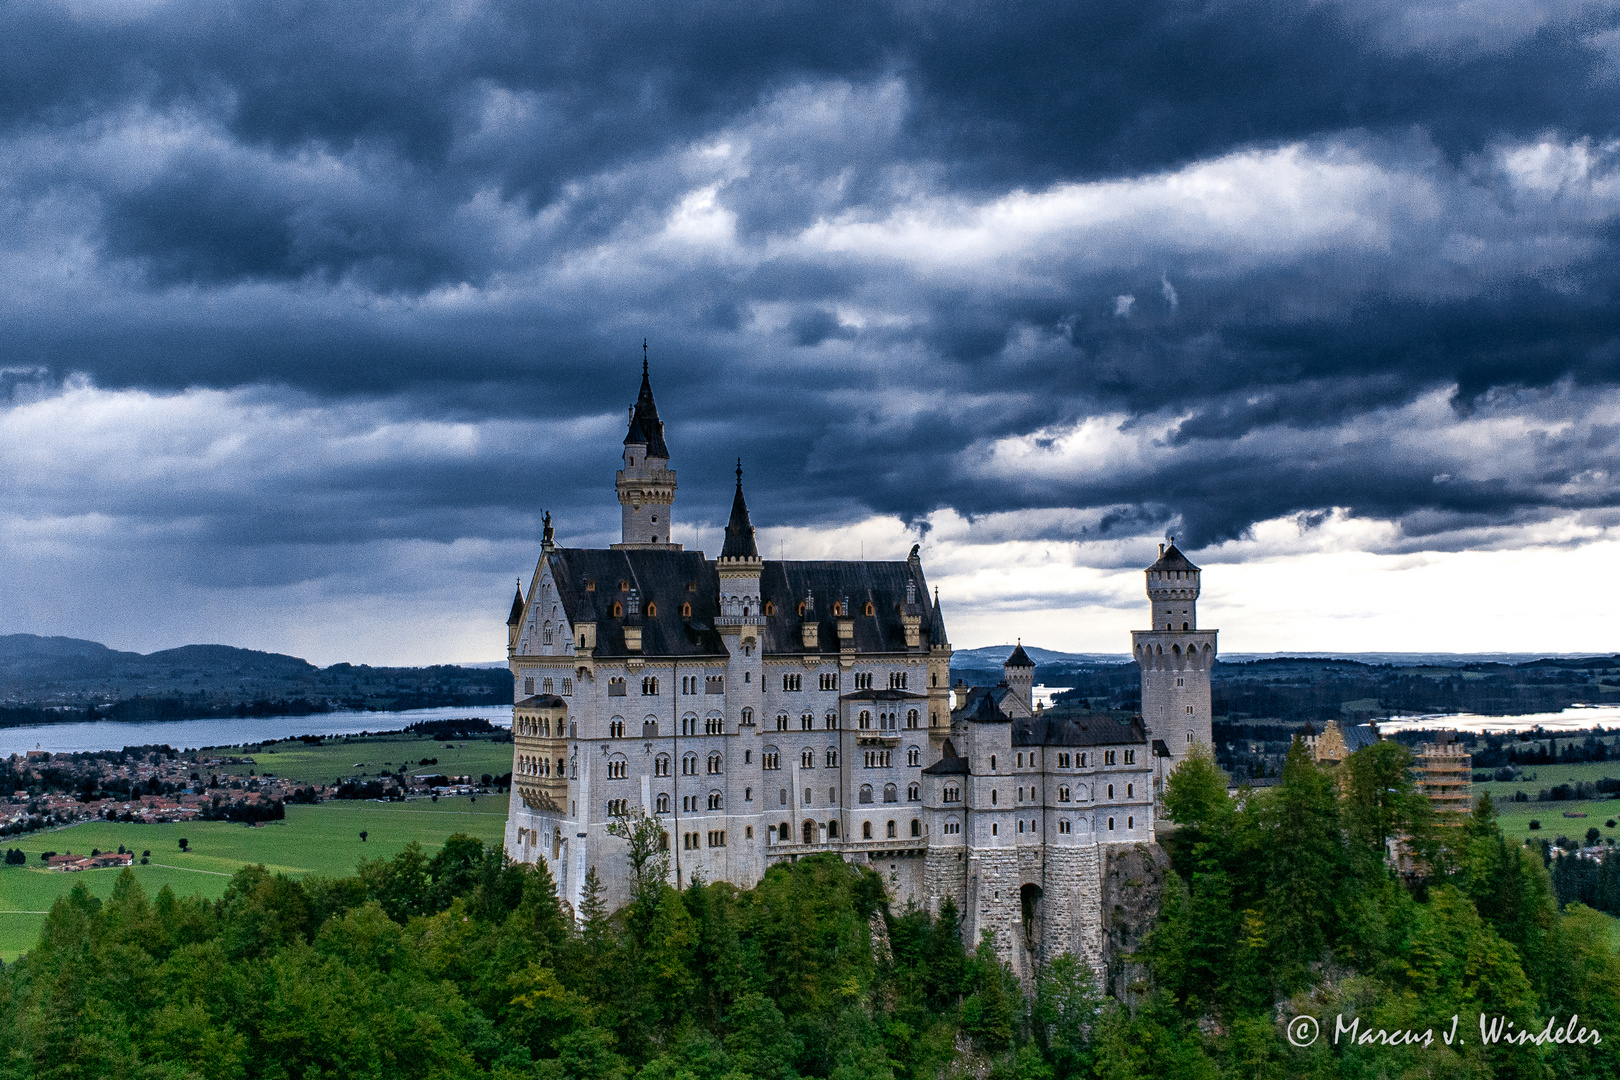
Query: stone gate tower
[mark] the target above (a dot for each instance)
(1175, 657)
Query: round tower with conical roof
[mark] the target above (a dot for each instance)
(1175, 658)
(1019, 672)
(646, 484)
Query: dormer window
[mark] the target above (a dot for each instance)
(624, 586)
(590, 586)
(652, 610)
(770, 609)
(870, 610)
(686, 611)
(838, 609)
(801, 611)
(618, 610)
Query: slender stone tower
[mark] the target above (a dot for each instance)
(1175, 658)
(646, 484)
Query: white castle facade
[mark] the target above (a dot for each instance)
(766, 710)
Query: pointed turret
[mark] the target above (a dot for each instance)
(645, 427)
(514, 621)
(1019, 671)
(739, 530)
(646, 484)
(936, 636)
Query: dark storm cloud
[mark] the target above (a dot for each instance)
(431, 214)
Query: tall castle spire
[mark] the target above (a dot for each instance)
(739, 530)
(646, 484)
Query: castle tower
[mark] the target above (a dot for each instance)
(646, 484)
(741, 624)
(1019, 671)
(1175, 658)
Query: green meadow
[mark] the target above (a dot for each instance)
(323, 840)
(369, 755)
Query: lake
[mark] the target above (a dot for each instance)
(1574, 718)
(191, 734)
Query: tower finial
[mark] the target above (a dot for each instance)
(739, 474)
(644, 356)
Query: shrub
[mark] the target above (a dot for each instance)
(1534, 824)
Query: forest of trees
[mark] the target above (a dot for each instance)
(461, 964)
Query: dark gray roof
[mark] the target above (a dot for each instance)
(1060, 727)
(542, 701)
(517, 608)
(665, 579)
(739, 530)
(983, 705)
(785, 585)
(669, 579)
(1019, 658)
(1357, 736)
(939, 637)
(1171, 558)
(645, 427)
(949, 764)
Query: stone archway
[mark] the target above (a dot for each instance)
(1032, 906)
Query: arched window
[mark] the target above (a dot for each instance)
(770, 609)
(785, 832)
(832, 721)
(616, 728)
(618, 611)
(870, 610)
(716, 801)
(689, 765)
(911, 718)
(866, 793)
(832, 829)
(807, 759)
(809, 832)
(891, 793)
(781, 722)
(916, 827)
(615, 686)
(866, 830)
(913, 756)
(866, 720)
(649, 685)
(891, 832)
(832, 757)
(649, 728)
(618, 768)
(661, 765)
(715, 762)
(807, 722)
(652, 608)
(913, 792)
(953, 794)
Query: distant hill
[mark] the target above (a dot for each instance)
(40, 677)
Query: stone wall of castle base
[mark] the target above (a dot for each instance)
(1072, 904)
(945, 877)
(993, 902)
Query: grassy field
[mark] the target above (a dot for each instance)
(1515, 819)
(322, 839)
(369, 755)
(1536, 777)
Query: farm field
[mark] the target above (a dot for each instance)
(370, 754)
(322, 840)
(1550, 776)
(1515, 819)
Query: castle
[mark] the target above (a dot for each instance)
(764, 710)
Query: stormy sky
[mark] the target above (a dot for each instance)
(309, 310)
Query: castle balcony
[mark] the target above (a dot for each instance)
(874, 850)
(723, 621)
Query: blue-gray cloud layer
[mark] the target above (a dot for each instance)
(870, 243)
